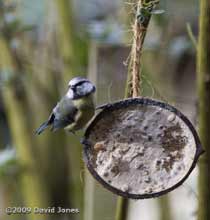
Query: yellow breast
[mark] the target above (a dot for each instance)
(86, 110)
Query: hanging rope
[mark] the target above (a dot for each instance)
(143, 15)
(133, 86)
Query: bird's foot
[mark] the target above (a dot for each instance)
(85, 142)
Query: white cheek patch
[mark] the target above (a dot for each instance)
(85, 88)
(70, 94)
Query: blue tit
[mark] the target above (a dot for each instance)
(75, 109)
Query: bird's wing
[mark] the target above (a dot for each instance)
(64, 113)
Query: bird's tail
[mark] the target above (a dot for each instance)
(42, 128)
(45, 124)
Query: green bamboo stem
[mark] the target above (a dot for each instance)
(121, 209)
(203, 80)
(74, 55)
(51, 149)
(164, 207)
(191, 35)
(67, 36)
(73, 49)
(31, 185)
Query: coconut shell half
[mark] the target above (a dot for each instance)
(140, 148)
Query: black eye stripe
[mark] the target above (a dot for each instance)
(79, 83)
(73, 88)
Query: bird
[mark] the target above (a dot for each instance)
(75, 109)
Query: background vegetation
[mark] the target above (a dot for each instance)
(43, 44)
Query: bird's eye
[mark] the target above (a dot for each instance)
(73, 88)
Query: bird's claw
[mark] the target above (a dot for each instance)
(85, 142)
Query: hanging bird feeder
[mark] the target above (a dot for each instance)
(140, 148)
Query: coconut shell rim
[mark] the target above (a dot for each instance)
(132, 102)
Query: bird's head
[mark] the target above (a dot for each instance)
(79, 87)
